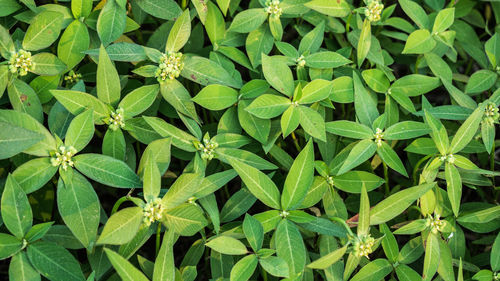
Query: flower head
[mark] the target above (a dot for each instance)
(62, 157)
(448, 158)
(21, 62)
(273, 8)
(329, 180)
(491, 114)
(117, 120)
(435, 224)
(301, 62)
(379, 134)
(363, 245)
(152, 211)
(374, 10)
(170, 66)
(72, 77)
(207, 148)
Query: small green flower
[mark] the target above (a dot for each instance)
(72, 77)
(21, 62)
(284, 214)
(301, 62)
(63, 156)
(273, 8)
(491, 114)
(374, 10)
(117, 120)
(170, 66)
(329, 180)
(435, 224)
(378, 136)
(207, 148)
(448, 158)
(362, 245)
(152, 211)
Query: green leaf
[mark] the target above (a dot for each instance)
(124, 268)
(312, 40)
(268, 106)
(151, 178)
(481, 216)
(43, 30)
(374, 271)
(108, 82)
(54, 262)
(316, 90)
(111, 22)
(76, 102)
(406, 130)
(412, 227)
(34, 174)
(258, 183)
(227, 245)
(453, 186)
(361, 152)
(177, 95)
(180, 139)
(181, 190)
(163, 9)
(24, 99)
(415, 84)
(444, 20)
(47, 64)
(415, 12)
(349, 129)
(290, 246)
(179, 34)
(419, 42)
(327, 260)
(14, 140)
(216, 97)
(214, 24)
(225, 154)
(376, 80)
(254, 232)
(395, 204)
(15, 209)
(365, 106)
(244, 268)
(122, 226)
(431, 260)
(289, 120)
(20, 268)
(113, 144)
(248, 20)
(79, 207)
(138, 100)
(299, 178)
(312, 122)
(467, 131)
(259, 41)
(9, 245)
(81, 8)
(481, 81)
(74, 41)
(495, 254)
(80, 130)
(325, 60)
(164, 267)
(353, 181)
(186, 219)
(278, 74)
(438, 134)
(275, 266)
(364, 213)
(391, 158)
(439, 67)
(204, 71)
(364, 42)
(389, 243)
(107, 170)
(330, 8)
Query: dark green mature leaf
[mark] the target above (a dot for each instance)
(164, 9)
(15, 209)
(111, 22)
(54, 262)
(14, 140)
(248, 20)
(121, 227)
(124, 268)
(43, 31)
(205, 72)
(290, 246)
(278, 74)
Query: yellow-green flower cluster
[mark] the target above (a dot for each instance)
(21, 62)
(207, 148)
(63, 156)
(362, 246)
(435, 224)
(496, 276)
(301, 62)
(152, 211)
(491, 114)
(374, 10)
(170, 66)
(284, 214)
(273, 8)
(329, 180)
(378, 136)
(72, 77)
(448, 158)
(117, 120)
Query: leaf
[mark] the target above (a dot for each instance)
(312, 122)
(365, 106)
(254, 232)
(54, 262)
(124, 268)
(246, 157)
(495, 254)
(373, 271)
(406, 130)
(244, 268)
(353, 181)
(139, 100)
(121, 227)
(214, 24)
(327, 260)
(391, 158)
(76, 102)
(330, 8)
(204, 71)
(349, 129)
(176, 94)
(181, 190)
(15, 209)
(43, 30)
(24, 99)
(389, 244)
(164, 267)
(216, 97)
(361, 152)
(107, 170)
(275, 266)
(376, 80)
(111, 22)
(290, 246)
(108, 82)
(113, 144)
(316, 90)
(163, 9)
(299, 178)
(74, 40)
(439, 67)
(47, 64)
(34, 174)
(180, 139)
(325, 60)
(268, 106)
(179, 34)
(79, 207)
(248, 20)
(313, 39)
(431, 260)
(444, 20)
(480, 81)
(481, 216)
(289, 120)
(419, 42)
(186, 219)
(80, 130)
(14, 140)
(467, 131)
(20, 268)
(415, 84)
(278, 74)
(227, 245)
(453, 186)
(9, 245)
(415, 12)
(81, 8)
(395, 204)
(258, 183)
(364, 42)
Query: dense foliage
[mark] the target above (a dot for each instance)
(249, 140)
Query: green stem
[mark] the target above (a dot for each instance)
(386, 177)
(415, 170)
(119, 202)
(344, 224)
(295, 142)
(158, 239)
